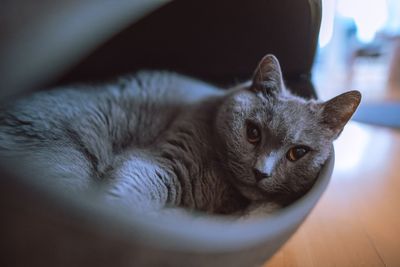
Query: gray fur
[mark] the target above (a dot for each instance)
(159, 139)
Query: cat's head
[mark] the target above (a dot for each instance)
(274, 143)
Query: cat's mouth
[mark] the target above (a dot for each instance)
(260, 176)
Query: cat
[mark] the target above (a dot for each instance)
(158, 139)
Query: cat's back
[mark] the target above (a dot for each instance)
(134, 110)
(150, 101)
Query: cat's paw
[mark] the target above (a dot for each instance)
(260, 210)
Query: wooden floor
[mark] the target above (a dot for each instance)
(357, 221)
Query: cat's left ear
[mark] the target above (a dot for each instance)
(268, 76)
(338, 111)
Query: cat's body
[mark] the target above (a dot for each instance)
(159, 139)
(143, 139)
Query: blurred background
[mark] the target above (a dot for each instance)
(359, 47)
(357, 221)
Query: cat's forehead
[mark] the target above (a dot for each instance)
(292, 117)
(246, 101)
(275, 109)
(288, 119)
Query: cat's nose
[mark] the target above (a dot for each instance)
(261, 175)
(265, 165)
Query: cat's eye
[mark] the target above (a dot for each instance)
(297, 152)
(253, 133)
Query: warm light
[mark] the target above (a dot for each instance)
(368, 15)
(327, 22)
(356, 147)
(351, 146)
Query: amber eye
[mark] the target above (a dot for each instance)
(297, 152)
(253, 133)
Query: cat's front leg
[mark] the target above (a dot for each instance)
(141, 181)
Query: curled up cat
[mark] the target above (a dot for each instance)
(158, 139)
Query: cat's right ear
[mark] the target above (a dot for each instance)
(267, 77)
(338, 111)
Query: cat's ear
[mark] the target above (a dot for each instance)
(338, 111)
(268, 76)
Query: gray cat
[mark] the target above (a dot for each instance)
(159, 139)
